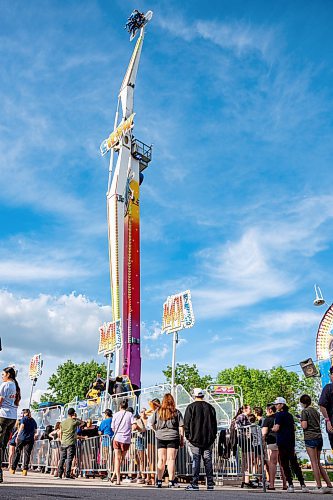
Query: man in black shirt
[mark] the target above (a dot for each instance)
(201, 430)
(326, 406)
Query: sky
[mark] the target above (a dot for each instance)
(236, 98)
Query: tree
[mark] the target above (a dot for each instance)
(264, 386)
(188, 376)
(72, 380)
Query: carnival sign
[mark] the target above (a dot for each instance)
(177, 312)
(217, 390)
(35, 366)
(110, 337)
(116, 135)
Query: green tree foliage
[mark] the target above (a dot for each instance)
(72, 380)
(264, 386)
(188, 376)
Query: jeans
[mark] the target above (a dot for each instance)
(6, 427)
(288, 458)
(67, 454)
(26, 446)
(206, 454)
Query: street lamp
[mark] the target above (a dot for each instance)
(319, 300)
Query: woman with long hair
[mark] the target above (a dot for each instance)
(55, 449)
(10, 397)
(169, 428)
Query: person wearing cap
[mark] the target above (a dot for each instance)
(200, 430)
(68, 428)
(284, 427)
(326, 406)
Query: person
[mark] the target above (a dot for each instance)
(313, 440)
(168, 424)
(258, 412)
(24, 441)
(105, 427)
(87, 429)
(68, 428)
(122, 427)
(326, 406)
(154, 405)
(43, 448)
(135, 21)
(140, 445)
(284, 427)
(242, 424)
(269, 438)
(12, 444)
(55, 449)
(10, 397)
(200, 426)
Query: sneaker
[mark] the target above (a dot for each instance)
(69, 478)
(318, 490)
(327, 489)
(304, 488)
(1, 476)
(192, 487)
(11, 471)
(24, 472)
(127, 480)
(159, 483)
(290, 489)
(57, 477)
(210, 487)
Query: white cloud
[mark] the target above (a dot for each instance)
(17, 271)
(238, 36)
(158, 353)
(151, 332)
(266, 262)
(281, 321)
(57, 326)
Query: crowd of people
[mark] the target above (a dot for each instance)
(160, 431)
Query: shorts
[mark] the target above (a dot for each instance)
(314, 443)
(170, 443)
(273, 447)
(121, 446)
(140, 443)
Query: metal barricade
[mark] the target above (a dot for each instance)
(251, 455)
(47, 416)
(54, 454)
(94, 454)
(40, 453)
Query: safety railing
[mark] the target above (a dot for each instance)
(238, 461)
(47, 416)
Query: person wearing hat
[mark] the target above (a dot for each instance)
(200, 430)
(284, 427)
(326, 406)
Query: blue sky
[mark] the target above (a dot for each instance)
(237, 202)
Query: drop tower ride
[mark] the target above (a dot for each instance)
(123, 216)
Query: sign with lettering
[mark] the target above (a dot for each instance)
(110, 337)
(222, 389)
(35, 366)
(177, 312)
(116, 135)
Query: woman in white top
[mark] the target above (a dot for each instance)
(10, 397)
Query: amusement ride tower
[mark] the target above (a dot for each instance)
(123, 215)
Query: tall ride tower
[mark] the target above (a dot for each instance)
(123, 215)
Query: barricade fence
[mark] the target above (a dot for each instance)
(238, 458)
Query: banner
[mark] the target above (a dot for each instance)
(110, 337)
(116, 135)
(35, 366)
(177, 312)
(222, 389)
